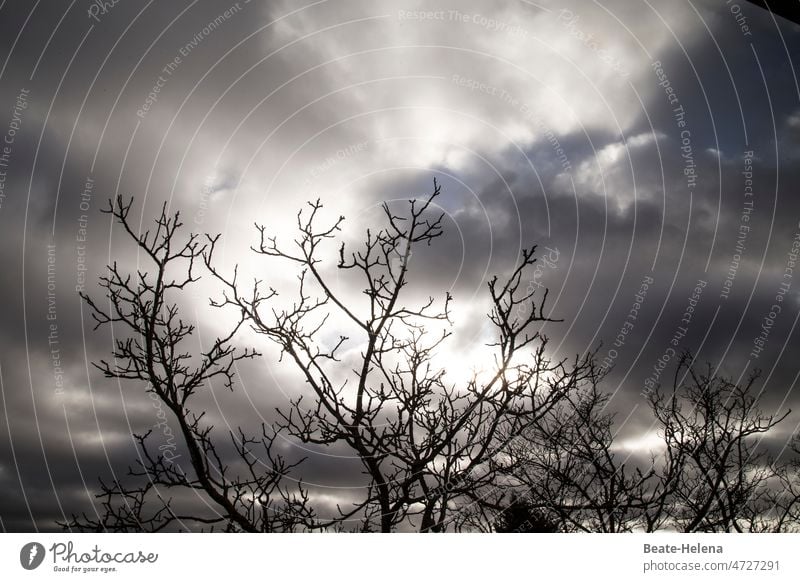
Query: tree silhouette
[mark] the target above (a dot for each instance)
(527, 445)
(521, 517)
(426, 445)
(150, 351)
(711, 425)
(708, 474)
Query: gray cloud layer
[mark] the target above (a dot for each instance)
(546, 123)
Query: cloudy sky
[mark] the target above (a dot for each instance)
(650, 149)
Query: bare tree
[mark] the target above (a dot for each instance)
(709, 474)
(426, 445)
(249, 490)
(525, 445)
(711, 424)
(780, 511)
(568, 467)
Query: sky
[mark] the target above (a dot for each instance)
(650, 150)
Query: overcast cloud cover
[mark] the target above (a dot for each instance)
(546, 123)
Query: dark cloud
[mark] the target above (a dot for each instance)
(544, 125)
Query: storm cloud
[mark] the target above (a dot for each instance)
(649, 149)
